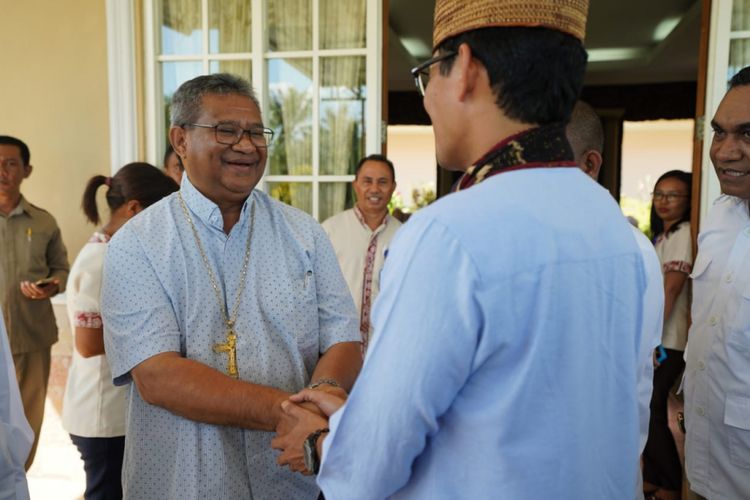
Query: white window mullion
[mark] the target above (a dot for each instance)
(259, 83)
(316, 106)
(154, 119)
(374, 138)
(204, 30)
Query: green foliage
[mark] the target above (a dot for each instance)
(640, 210)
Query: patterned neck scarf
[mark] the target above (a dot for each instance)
(542, 147)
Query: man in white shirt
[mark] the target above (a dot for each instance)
(361, 235)
(717, 370)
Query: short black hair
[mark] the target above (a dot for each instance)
(657, 225)
(375, 157)
(12, 141)
(535, 73)
(741, 78)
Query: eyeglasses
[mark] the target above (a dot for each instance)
(669, 197)
(229, 134)
(421, 73)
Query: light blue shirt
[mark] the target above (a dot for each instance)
(508, 351)
(156, 297)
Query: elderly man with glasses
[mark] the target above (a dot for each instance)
(218, 302)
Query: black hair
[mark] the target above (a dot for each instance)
(657, 225)
(135, 181)
(12, 141)
(536, 74)
(741, 78)
(375, 157)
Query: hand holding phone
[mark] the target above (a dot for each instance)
(44, 282)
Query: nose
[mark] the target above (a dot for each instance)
(727, 149)
(245, 143)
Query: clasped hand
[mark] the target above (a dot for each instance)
(301, 415)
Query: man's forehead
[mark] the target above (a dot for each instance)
(236, 105)
(10, 151)
(375, 168)
(734, 109)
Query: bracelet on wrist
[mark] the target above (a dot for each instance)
(323, 381)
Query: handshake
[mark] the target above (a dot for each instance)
(303, 425)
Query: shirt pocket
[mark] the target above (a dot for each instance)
(305, 308)
(737, 420)
(739, 330)
(701, 266)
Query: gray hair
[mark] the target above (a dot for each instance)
(584, 130)
(187, 100)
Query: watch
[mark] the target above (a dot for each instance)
(310, 447)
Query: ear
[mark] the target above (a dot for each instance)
(27, 171)
(592, 163)
(132, 207)
(468, 70)
(178, 139)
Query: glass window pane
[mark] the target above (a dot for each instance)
(740, 15)
(739, 56)
(342, 24)
(290, 116)
(175, 74)
(243, 68)
(229, 26)
(289, 25)
(342, 114)
(335, 197)
(296, 194)
(181, 31)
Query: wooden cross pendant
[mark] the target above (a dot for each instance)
(230, 348)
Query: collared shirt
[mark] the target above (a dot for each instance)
(92, 406)
(157, 297)
(717, 370)
(675, 251)
(509, 345)
(351, 238)
(31, 248)
(16, 435)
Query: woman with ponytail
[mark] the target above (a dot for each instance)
(93, 408)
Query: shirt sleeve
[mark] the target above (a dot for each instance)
(139, 321)
(336, 311)
(57, 259)
(88, 283)
(678, 251)
(425, 341)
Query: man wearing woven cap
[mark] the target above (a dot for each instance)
(507, 345)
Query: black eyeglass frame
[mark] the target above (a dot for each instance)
(418, 72)
(252, 133)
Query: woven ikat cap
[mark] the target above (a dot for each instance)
(453, 17)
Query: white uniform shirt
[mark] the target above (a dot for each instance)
(351, 238)
(675, 251)
(717, 371)
(93, 406)
(510, 349)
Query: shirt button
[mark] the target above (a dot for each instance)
(700, 411)
(713, 320)
(701, 365)
(729, 277)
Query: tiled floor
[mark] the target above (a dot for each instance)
(57, 471)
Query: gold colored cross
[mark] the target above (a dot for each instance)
(230, 348)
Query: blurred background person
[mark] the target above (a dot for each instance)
(670, 226)
(93, 408)
(172, 166)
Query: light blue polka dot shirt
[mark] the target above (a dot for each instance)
(157, 297)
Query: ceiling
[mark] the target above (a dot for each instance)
(629, 42)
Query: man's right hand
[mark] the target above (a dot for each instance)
(327, 401)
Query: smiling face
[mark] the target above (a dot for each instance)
(224, 174)
(730, 148)
(374, 186)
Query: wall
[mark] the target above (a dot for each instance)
(53, 96)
